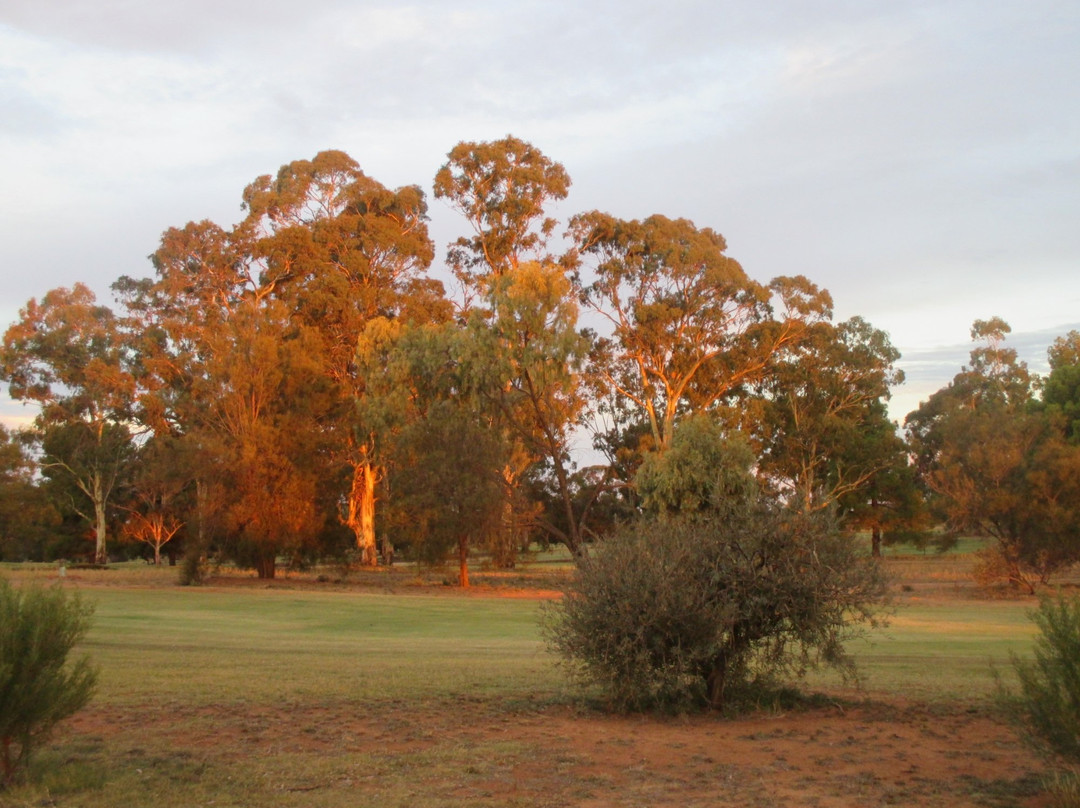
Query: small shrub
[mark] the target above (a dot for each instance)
(1049, 699)
(676, 613)
(38, 629)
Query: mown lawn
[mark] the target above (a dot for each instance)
(257, 696)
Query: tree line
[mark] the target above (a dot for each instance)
(300, 386)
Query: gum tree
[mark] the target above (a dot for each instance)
(689, 328)
(71, 356)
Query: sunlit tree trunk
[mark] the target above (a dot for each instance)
(361, 507)
(100, 524)
(463, 562)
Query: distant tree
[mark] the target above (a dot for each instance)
(87, 470)
(71, 356)
(355, 251)
(523, 311)
(891, 506)
(690, 328)
(999, 467)
(26, 513)
(825, 428)
(161, 482)
(502, 188)
(443, 460)
(447, 484)
(1061, 388)
(534, 355)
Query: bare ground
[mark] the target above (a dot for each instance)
(861, 754)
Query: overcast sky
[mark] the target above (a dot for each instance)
(921, 160)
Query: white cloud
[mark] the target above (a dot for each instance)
(917, 159)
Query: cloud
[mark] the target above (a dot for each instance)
(917, 159)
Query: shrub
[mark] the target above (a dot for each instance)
(680, 612)
(38, 628)
(1049, 699)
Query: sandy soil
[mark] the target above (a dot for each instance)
(868, 754)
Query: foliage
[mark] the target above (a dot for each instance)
(998, 465)
(162, 479)
(535, 353)
(701, 472)
(825, 433)
(444, 457)
(688, 611)
(690, 328)
(1061, 389)
(1049, 698)
(501, 188)
(26, 513)
(73, 357)
(248, 339)
(447, 484)
(38, 630)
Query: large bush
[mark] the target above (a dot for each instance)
(679, 612)
(1049, 697)
(38, 629)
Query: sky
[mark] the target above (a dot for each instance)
(921, 160)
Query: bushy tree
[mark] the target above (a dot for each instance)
(26, 514)
(1061, 389)
(1049, 699)
(442, 455)
(825, 433)
(700, 472)
(694, 611)
(72, 356)
(38, 688)
(998, 464)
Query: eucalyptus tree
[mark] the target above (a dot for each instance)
(689, 329)
(825, 434)
(322, 250)
(521, 308)
(998, 464)
(354, 250)
(503, 189)
(426, 387)
(70, 355)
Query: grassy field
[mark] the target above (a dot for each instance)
(368, 692)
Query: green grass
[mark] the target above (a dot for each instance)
(204, 692)
(942, 651)
(265, 646)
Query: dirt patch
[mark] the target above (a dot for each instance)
(864, 755)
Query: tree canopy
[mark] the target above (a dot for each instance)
(300, 384)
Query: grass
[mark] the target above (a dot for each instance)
(204, 692)
(942, 651)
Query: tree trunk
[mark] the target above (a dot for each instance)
(715, 682)
(266, 566)
(100, 524)
(875, 542)
(361, 518)
(463, 562)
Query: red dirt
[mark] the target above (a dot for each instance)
(836, 757)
